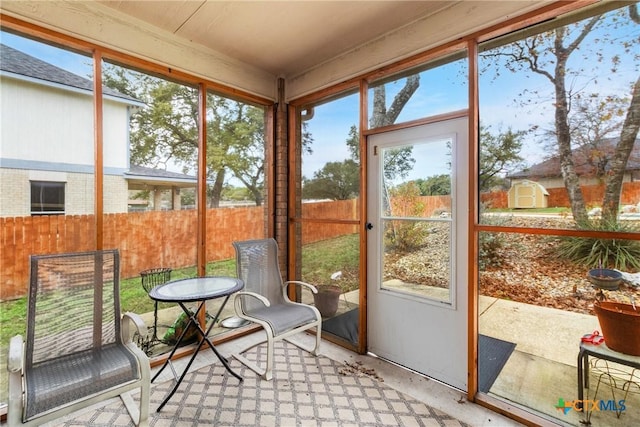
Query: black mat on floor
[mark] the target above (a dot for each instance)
(492, 355)
(344, 325)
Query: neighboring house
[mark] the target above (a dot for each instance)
(590, 162)
(158, 183)
(46, 141)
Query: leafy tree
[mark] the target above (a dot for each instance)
(335, 181)
(341, 180)
(166, 131)
(229, 192)
(235, 143)
(547, 54)
(353, 143)
(498, 154)
(402, 235)
(436, 185)
(188, 197)
(399, 161)
(596, 122)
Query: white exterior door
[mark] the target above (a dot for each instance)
(417, 252)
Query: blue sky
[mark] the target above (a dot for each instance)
(442, 90)
(70, 61)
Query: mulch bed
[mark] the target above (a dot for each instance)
(528, 272)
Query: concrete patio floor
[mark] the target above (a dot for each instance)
(543, 366)
(541, 369)
(441, 398)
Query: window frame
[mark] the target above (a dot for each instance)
(42, 187)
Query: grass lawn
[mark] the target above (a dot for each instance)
(320, 260)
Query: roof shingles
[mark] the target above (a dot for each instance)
(17, 62)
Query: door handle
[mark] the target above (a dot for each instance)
(369, 226)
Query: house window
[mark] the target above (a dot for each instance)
(47, 198)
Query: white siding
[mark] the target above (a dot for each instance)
(48, 131)
(45, 124)
(116, 135)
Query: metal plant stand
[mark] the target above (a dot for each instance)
(150, 279)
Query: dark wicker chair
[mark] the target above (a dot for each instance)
(78, 349)
(266, 302)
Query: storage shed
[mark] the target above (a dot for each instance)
(527, 194)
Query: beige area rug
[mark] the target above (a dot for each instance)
(305, 391)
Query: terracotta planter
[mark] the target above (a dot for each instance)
(326, 300)
(620, 325)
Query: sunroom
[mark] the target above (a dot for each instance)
(373, 141)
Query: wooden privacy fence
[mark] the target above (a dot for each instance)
(558, 197)
(156, 239)
(145, 239)
(593, 195)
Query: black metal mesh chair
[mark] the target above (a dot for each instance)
(78, 349)
(150, 279)
(266, 302)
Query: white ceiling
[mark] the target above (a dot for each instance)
(246, 45)
(277, 36)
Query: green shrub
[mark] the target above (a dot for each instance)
(491, 245)
(622, 254)
(405, 235)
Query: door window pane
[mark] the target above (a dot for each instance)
(416, 202)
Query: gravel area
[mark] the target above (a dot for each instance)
(529, 271)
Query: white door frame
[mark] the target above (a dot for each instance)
(426, 335)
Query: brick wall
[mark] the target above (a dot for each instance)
(15, 192)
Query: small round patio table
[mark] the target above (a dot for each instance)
(198, 289)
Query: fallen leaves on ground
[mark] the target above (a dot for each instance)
(529, 271)
(359, 370)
